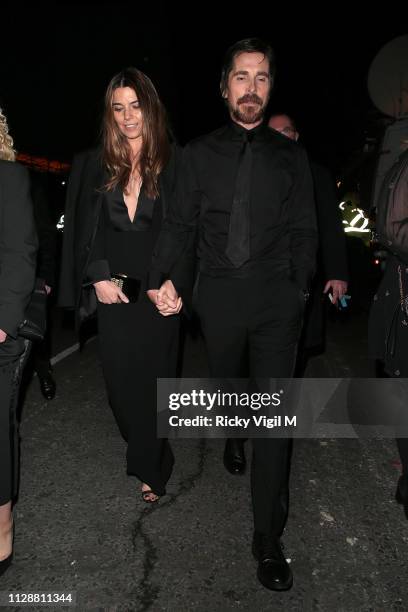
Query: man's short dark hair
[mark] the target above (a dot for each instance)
(247, 45)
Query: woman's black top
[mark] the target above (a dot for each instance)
(122, 246)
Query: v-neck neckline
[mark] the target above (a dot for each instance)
(132, 221)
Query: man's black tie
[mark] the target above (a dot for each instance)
(237, 249)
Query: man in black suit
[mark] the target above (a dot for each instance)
(248, 191)
(331, 276)
(18, 246)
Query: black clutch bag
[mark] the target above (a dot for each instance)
(35, 317)
(130, 286)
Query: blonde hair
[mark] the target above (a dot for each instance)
(7, 151)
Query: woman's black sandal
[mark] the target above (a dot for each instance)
(146, 498)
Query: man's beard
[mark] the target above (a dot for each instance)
(248, 114)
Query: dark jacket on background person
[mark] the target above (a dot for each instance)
(388, 320)
(46, 229)
(18, 249)
(329, 221)
(83, 207)
(331, 256)
(18, 246)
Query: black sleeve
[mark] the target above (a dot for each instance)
(98, 267)
(329, 220)
(175, 251)
(302, 226)
(18, 246)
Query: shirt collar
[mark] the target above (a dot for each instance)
(240, 133)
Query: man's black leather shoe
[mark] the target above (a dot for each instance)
(47, 386)
(273, 571)
(401, 494)
(234, 456)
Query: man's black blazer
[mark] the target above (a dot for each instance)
(333, 256)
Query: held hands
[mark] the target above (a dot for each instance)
(109, 293)
(166, 299)
(339, 288)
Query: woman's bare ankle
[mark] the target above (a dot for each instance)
(6, 518)
(6, 541)
(6, 531)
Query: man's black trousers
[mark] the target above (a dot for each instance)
(251, 327)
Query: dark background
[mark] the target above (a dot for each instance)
(58, 59)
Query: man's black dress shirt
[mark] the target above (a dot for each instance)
(283, 234)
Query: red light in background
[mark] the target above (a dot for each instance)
(43, 164)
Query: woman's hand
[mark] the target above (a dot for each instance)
(108, 292)
(3, 336)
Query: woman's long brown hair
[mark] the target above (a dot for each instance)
(155, 149)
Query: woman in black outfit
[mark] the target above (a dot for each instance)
(115, 208)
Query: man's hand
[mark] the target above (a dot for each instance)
(338, 289)
(3, 336)
(109, 293)
(48, 289)
(166, 299)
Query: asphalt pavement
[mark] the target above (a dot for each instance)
(82, 527)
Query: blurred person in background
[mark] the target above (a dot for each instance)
(18, 247)
(332, 269)
(388, 320)
(46, 271)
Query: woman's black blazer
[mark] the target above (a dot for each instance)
(82, 210)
